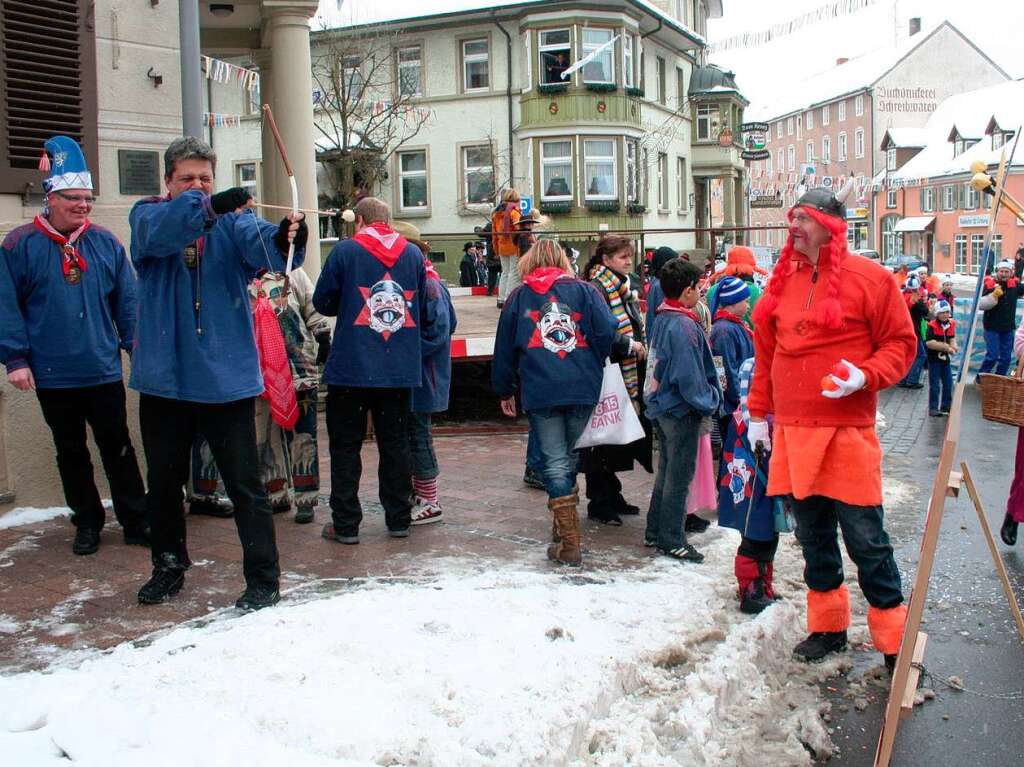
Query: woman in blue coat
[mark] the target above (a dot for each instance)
(553, 337)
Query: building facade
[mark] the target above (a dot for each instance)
(829, 127)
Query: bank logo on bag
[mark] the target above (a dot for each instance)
(606, 412)
(557, 328)
(387, 307)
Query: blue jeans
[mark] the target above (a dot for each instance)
(940, 376)
(421, 447)
(533, 458)
(817, 519)
(998, 348)
(677, 461)
(557, 429)
(914, 376)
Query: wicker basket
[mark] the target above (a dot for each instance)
(1002, 397)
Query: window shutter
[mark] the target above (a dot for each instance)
(922, 200)
(47, 85)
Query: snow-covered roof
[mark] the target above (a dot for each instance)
(971, 108)
(905, 138)
(851, 76)
(356, 13)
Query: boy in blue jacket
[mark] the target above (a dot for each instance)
(731, 341)
(681, 389)
(195, 362)
(375, 284)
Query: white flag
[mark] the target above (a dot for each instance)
(589, 57)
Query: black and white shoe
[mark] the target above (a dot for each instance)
(685, 553)
(257, 597)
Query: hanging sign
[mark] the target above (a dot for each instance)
(754, 141)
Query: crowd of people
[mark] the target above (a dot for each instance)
(755, 399)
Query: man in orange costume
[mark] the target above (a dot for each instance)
(831, 331)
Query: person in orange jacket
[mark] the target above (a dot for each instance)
(505, 231)
(831, 331)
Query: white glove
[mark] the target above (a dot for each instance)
(757, 431)
(854, 383)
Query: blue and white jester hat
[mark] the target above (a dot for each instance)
(68, 169)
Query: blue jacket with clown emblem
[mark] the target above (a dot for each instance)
(439, 324)
(375, 284)
(553, 337)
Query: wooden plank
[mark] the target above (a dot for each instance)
(915, 675)
(996, 557)
(953, 488)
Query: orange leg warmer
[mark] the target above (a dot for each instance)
(828, 610)
(886, 627)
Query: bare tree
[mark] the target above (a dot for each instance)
(486, 172)
(368, 89)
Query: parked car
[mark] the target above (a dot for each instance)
(874, 255)
(893, 263)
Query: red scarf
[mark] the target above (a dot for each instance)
(540, 280)
(383, 242)
(722, 314)
(431, 271)
(671, 305)
(70, 255)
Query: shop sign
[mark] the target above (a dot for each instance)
(856, 213)
(754, 141)
(978, 219)
(766, 201)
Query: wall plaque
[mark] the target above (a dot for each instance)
(138, 171)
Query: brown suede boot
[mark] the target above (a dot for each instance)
(567, 550)
(555, 537)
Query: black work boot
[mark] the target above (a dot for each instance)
(168, 578)
(87, 541)
(755, 598)
(820, 644)
(1008, 532)
(258, 597)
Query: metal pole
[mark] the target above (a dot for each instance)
(191, 76)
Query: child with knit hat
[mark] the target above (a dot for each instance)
(731, 341)
(999, 304)
(830, 332)
(941, 343)
(916, 298)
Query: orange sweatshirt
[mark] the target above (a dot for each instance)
(793, 352)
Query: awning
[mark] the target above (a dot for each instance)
(915, 224)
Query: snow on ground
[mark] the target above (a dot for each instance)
(471, 666)
(29, 515)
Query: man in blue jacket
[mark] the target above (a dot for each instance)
(375, 284)
(195, 362)
(67, 309)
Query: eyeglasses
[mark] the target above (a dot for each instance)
(88, 199)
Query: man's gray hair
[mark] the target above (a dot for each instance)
(187, 148)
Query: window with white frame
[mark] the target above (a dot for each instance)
(602, 68)
(681, 183)
(824, 115)
(782, 160)
(659, 68)
(948, 197)
(556, 169)
(778, 129)
(555, 52)
(810, 120)
(842, 147)
(599, 169)
(768, 164)
(708, 121)
(960, 254)
(789, 126)
(628, 56)
(352, 77)
(412, 179)
(970, 197)
(890, 198)
(410, 70)
(633, 174)
(680, 87)
(858, 142)
(644, 177)
(809, 152)
(928, 199)
(890, 237)
(890, 158)
(977, 252)
(841, 108)
(662, 181)
(246, 177)
(826, 149)
(478, 175)
(996, 245)
(476, 65)
(858, 105)
(791, 157)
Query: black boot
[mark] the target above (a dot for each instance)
(755, 598)
(168, 578)
(695, 524)
(136, 536)
(532, 479)
(890, 663)
(1008, 532)
(87, 541)
(211, 509)
(603, 512)
(819, 644)
(258, 597)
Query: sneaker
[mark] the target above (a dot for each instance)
(649, 543)
(695, 524)
(211, 509)
(819, 645)
(304, 514)
(87, 541)
(935, 413)
(136, 536)
(403, 533)
(258, 597)
(685, 553)
(331, 534)
(532, 479)
(424, 513)
(167, 580)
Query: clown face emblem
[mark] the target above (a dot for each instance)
(557, 328)
(386, 304)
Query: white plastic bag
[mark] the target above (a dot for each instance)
(614, 420)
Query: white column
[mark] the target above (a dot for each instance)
(272, 170)
(292, 102)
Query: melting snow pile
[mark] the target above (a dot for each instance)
(646, 667)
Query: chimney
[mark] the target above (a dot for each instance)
(842, 60)
(915, 25)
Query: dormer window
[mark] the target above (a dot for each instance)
(890, 158)
(1001, 138)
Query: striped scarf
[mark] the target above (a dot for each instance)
(616, 292)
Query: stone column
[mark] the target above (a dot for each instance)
(286, 33)
(729, 201)
(272, 170)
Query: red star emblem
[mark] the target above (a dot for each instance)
(364, 315)
(536, 340)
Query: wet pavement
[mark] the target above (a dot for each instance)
(971, 633)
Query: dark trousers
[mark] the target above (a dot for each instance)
(914, 374)
(493, 272)
(817, 520)
(347, 408)
(998, 352)
(604, 491)
(759, 551)
(67, 411)
(169, 427)
(677, 462)
(940, 382)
